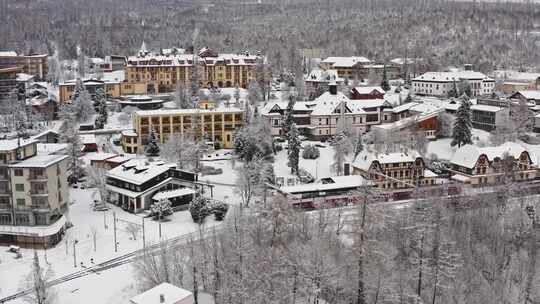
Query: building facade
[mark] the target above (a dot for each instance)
(492, 165)
(33, 194)
(113, 89)
(441, 83)
(162, 73)
(8, 84)
(390, 171)
(36, 65)
(216, 126)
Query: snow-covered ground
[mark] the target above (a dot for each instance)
(60, 258)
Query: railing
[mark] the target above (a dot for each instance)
(37, 177)
(5, 206)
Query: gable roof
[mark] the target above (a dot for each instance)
(369, 90)
(345, 62)
(468, 155)
(170, 293)
(530, 94)
(451, 76)
(364, 160)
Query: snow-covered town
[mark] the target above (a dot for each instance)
(231, 152)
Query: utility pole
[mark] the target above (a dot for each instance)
(74, 253)
(143, 235)
(159, 221)
(105, 219)
(115, 243)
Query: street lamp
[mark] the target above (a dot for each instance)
(74, 253)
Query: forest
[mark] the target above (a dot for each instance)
(442, 32)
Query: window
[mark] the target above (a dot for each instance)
(5, 219)
(19, 187)
(18, 172)
(21, 202)
(22, 219)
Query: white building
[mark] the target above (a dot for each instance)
(164, 293)
(34, 194)
(440, 83)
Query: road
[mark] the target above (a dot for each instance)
(112, 263)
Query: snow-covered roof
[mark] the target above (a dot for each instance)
(486, 108)
(40, 161)
(138, 171)
(305, 106)
(320, 75)
(350, 181)
(429, 173)
(187, 111)
(401, 61)
(408, 121)
(530, 94)
(87, 139)
(369, 103)
(345, 62)
(468, 155)
(51, 148)
(366, 158)
(368, 90)
(99, 156)
(173, 193)
(23, 77)
(516, 76)
(8, 54)
(119, 159)
(327, 103)
(461, 178)
(12, 144)
(451, 76)
(129, 133)
(187, 60)
(403, 107)
(170, 293)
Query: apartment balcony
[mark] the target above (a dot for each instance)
(39, 192)
(5, 206)
(37, 177)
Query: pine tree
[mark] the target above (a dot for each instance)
(152, 148)
(461, 134)
(100, 104)
(294, 148)
(358, 145)
(288, 121)
(384, 83)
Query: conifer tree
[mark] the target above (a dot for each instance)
(384, 83)
(461, 134)
(294, 148)
(288, 121)
(358, 145)
(152, 148)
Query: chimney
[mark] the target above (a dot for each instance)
(468, 67)
(161, 298)
(332, 88)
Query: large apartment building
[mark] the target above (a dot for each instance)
(33, 194)
(162, 72)
(441, 83)
(35, 64)
(361, 68)
(216, 126)
(112, 88)
(8, 83)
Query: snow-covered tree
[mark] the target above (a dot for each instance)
(252, 179)
(358, 144)
(385, 85)
(288, 121)
(254, 96)
(253, 141)
(100, 104)
(182, 97)
(293, 138)
(82, 106)
(310, 152)
(461, 133)
(465, 88)
(72, 138)
(522, 118)
(237, 95)
(342, 148)
(152, 147)
(453, 92)
(199, 208)
(36, 281)
(161, 209)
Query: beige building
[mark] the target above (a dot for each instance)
(36, 65)
(33, 194)
(216, 126)
(111, 88)
(162, 73)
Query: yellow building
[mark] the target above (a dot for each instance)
(216, 126)
(162, 73)
(112, 88)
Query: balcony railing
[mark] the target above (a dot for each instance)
(37, 177)
(39, 192)
(5, 206)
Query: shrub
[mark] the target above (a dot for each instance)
(199, 209)
(220, 210)
(311, 152)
